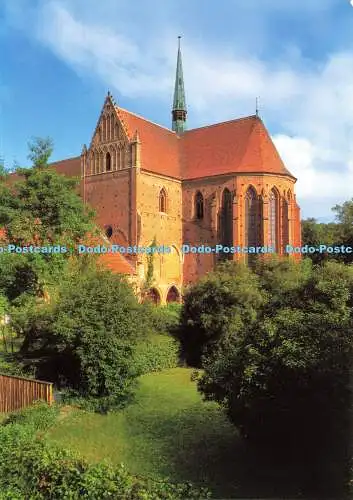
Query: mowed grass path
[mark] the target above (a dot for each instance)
(169, 432)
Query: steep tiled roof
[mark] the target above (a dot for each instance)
(237, 146)
(159, 146)
(70, 167)
(116, 262)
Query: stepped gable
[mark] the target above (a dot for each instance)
(159, 145)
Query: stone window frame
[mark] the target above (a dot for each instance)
(162, 200)
(199, 206)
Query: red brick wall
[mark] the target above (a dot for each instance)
(207, 231)
(110, 196)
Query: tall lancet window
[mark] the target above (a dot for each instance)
(108, 162)
(285, 222)
(199, 206)
(253, 219)
(273, 232)
(162, 200)
(108, 128)
(227, 220)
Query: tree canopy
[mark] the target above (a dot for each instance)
(85, 337)
(40, 150)
(281, 350)
(42, 208)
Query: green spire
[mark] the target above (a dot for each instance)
(179, 104)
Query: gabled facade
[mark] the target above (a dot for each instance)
(222, 184)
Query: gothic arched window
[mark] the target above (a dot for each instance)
(109, 231)
(162, 200)
(253, 218)
(108, 162)
(285, 222)
(273, 209)
(226, 220)
(108, 127)
(199, 206)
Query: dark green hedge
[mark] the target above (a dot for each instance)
(156, 353)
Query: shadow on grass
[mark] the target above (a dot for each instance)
(192, 449)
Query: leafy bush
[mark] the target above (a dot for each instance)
(164, 319)
(156, 353)
(221, 303)
(284, 374)
(39, 416)
(30, 467)
(85, 339)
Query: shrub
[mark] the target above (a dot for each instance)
(156, 353)
(284, 379)
(85, 340)
(220, 304)
(39, 416)
(165, 319)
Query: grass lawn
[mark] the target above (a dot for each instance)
(170, 432)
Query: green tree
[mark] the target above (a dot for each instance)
(284, 378)
(4, 307)
(41, 209)
(86, 339)
(40, 150)
(344, 219)
(315, 234)
(3, 170)
(219, 305)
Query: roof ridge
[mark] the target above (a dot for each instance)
(66, 159)
(258, 127)
(275, 151)
(145, 119)
(246, 143)
(222, 123)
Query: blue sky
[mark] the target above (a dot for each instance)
(59, 58)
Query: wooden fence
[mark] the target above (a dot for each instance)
(19, 392)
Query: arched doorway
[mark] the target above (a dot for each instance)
(173, 295)
(153, 296)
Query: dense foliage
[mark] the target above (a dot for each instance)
(86, 337)
(41, 208)
(336, 233)
(40, 150)
(165, 319)
(31, 467)
(157, 352)
(219, 304)
(281, 352)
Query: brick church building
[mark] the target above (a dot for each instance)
(220, 184)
